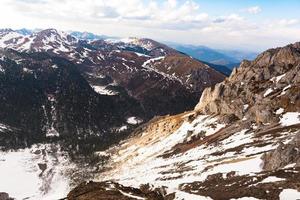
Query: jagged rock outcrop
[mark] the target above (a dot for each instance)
(283, 155)
(258, 88)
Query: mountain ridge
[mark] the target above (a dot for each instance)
(217, 57)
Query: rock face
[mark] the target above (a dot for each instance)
(283, 155)
(270, 81)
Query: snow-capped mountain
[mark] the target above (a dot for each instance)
(124, 62)
(89, 36)
(240, 142)
(67, 98)
(44, 40)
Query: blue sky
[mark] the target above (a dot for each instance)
(228, 24)
(271, 8)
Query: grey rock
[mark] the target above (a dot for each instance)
(243, 94)
(283, 155)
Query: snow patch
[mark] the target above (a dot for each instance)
(180, 195)
(290, 118)
(122, 128)
(2, 70)
(102, 90)
(247, 166)
(54, 66)
(141, 55)
(271, 179)
(289, 194)
(52, 132)
(277, 78)
(4, 128)
(26, 70)
(279, 111)
(131, 196)
(285, 89)
(152, 60)
(268, 91)
(21, 168)
(246, 198)
(290, 165)
(133, 120)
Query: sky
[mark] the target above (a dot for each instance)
(253, 25)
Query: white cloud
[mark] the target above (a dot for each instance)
(170, 13)
(288, 22)
(253, 10)
(182, 21)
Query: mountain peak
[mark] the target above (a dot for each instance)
(53, 35)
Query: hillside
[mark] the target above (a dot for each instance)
(240, 141)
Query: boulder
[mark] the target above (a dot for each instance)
(5, 196)
(283, 155)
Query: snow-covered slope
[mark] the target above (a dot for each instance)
(241, 142)
(173, 157)
(45, 40)
(35, 173)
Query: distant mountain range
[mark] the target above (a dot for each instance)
(79, 35)
(89, 36)
(228, 58)
(223, 60)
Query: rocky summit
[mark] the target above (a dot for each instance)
(240, 142)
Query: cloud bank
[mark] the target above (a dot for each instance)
(183, 21)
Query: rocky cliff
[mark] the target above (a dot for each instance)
(259, 88)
